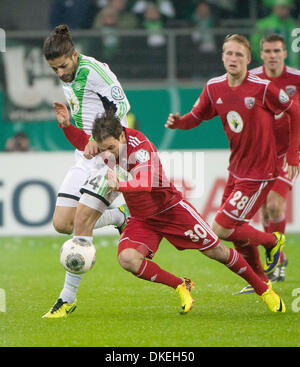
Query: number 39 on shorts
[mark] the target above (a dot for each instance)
(238, 200)
(196, 234)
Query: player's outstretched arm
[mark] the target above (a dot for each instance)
(62, 114)
(292, 157)
(172, 121)
(77, 137)
(293, 171)
(186, 122)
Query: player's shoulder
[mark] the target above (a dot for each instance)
(255, 79)
(136, 139)
(96, 69)
(257, 71)
(217, 80)
(293, 72)
(90, 62)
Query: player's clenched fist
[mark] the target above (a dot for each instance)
(172, 122)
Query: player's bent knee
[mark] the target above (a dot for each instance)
(220, 231)
(130, 260)
(219, 253)
(62, 227)
(275, 211)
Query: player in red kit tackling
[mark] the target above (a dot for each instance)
(157, 211)
(274, 53)
(246, 105)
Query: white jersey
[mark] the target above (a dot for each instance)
(94, 89)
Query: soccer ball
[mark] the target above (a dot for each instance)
(77, 255)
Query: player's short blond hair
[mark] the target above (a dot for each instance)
(240, 39)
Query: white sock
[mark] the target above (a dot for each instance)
(110, 217)
(71, 285)
(88, 238)
(72, 281)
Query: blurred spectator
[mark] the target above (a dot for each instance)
(101, 3)
(281, 22)
(184, 10)
(223, 9)
(18, 143)
(164, 7)
(153, 23)
(126, 19)
(77, 14)
(203, 32)
(107, 21)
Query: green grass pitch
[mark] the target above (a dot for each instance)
(115, 309)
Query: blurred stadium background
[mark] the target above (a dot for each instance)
(162, 52)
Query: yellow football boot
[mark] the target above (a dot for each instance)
(273, 301)
(272, 256)
(60, 309)
(184, 292)
(125, 211)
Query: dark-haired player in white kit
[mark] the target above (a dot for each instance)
(90, 87)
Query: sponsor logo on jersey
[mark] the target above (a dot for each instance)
(142, 156)
(235, 121)
(291, 90)
(249, 102)
(283, 97)
(117, 93)
(219, 101)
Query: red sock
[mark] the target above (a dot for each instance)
(248, 234)
(239, 266)
(152, 272)
(251, 255)
(278, 226)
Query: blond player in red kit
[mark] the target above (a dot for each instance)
(246, 106)
(273, 54)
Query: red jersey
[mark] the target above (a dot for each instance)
(149, 194)
(289, 81)
(247, 114)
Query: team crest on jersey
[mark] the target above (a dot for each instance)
(235, 121)
(291, 90)
(117, 93)
(73, 101)
(283, 97)
(77, 86)
(249, 102)
(142, 156)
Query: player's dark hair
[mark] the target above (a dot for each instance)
(106, 125)
(59, 43)
(273, 37)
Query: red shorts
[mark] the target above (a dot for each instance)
(241, 200)
(181, 225)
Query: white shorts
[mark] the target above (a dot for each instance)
(78, 175)
(96, 193)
